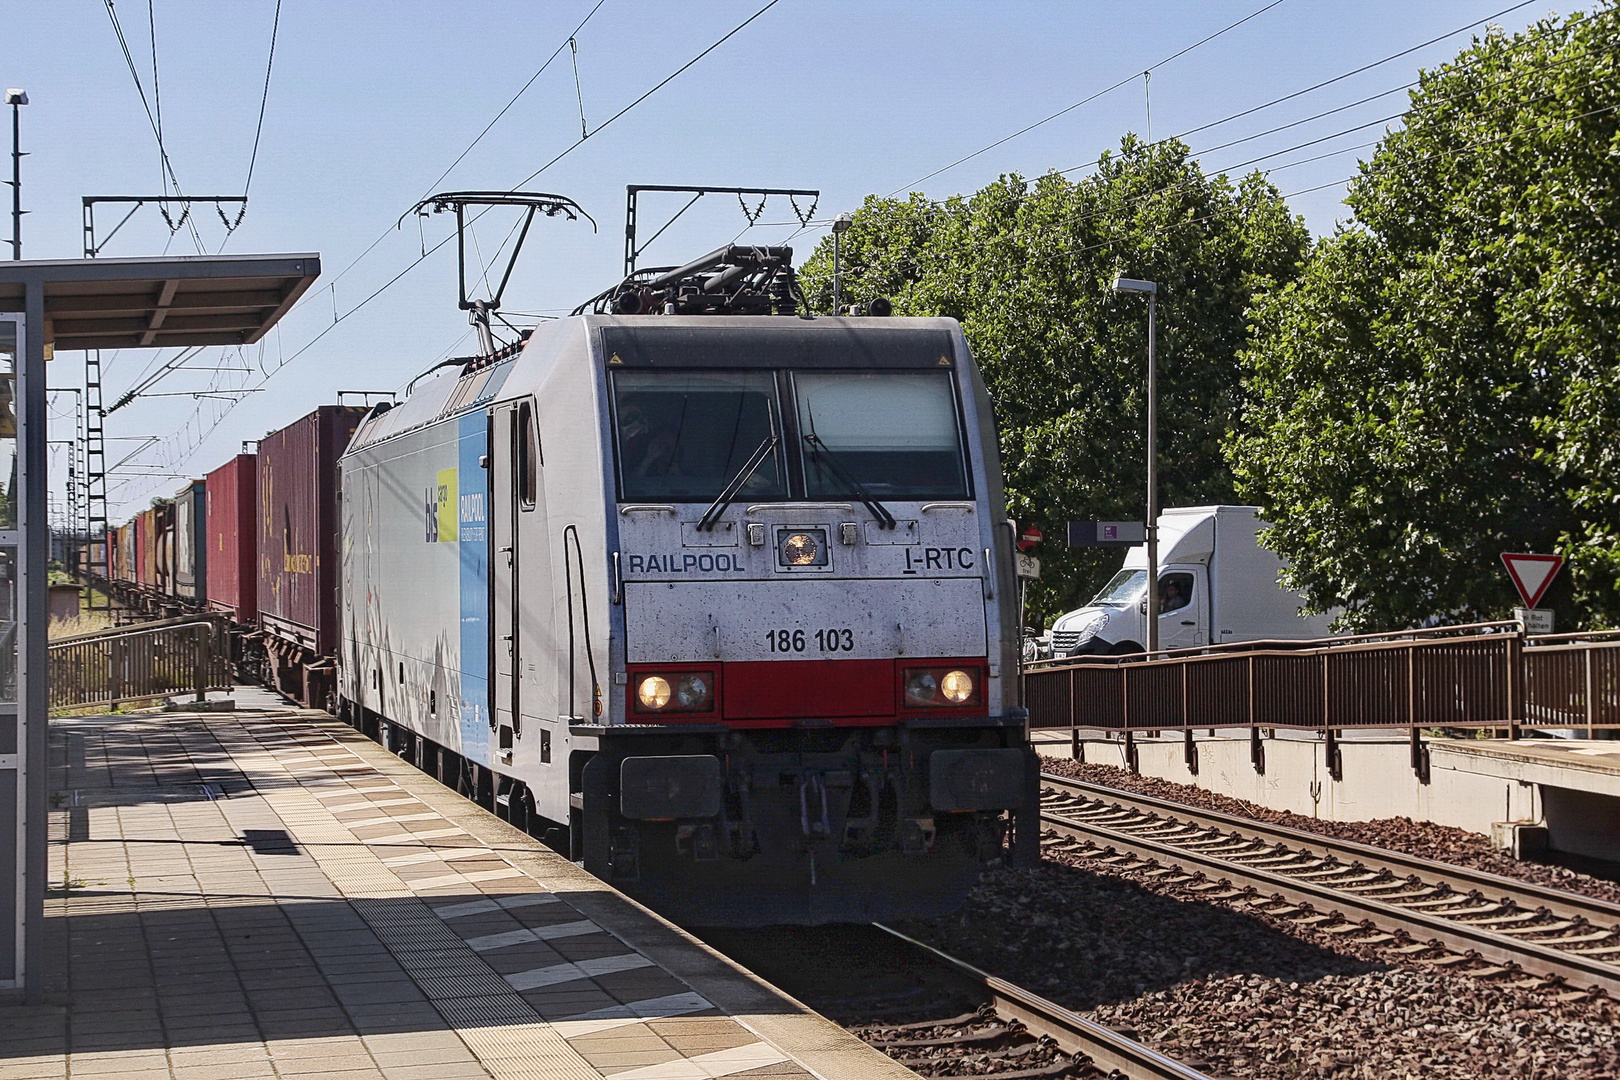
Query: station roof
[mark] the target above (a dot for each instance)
(160, 302)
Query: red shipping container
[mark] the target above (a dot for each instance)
(146, 549)
(233, 538)
(298, 527)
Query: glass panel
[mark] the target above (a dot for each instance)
(1175, 592)
(8, 625)
(684, 436)
(894, 433)
(1126, 588)
(8, 424)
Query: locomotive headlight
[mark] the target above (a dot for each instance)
(653, 693)
(957, 686)
(940, 687)
(800, 549)
(922, 688)
(693, 692)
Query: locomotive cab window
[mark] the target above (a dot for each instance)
(526, 443)
(685, 436)
(894, 433)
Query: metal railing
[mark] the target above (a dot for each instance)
(189, 654)
(1480, 676)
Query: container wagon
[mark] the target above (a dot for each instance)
(232, 539)
(298, 527)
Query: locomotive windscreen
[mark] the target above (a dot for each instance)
(894, 432)
(684, 436)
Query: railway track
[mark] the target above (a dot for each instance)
(1434, 913)
(1023, 1024)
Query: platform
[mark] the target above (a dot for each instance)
(244, 895)
(1590, 765)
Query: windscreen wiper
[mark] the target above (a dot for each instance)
(728, 494)
(824, 453)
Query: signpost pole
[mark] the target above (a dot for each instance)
(1152, 480)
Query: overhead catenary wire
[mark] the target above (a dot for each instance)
(264, 100)
(1132, 77)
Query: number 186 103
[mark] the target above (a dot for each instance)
(827, 640)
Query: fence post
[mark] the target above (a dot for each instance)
(115, 670)
(200, 665)
(1590, 705)
(1515, 678)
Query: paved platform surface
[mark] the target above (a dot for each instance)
(250, 895)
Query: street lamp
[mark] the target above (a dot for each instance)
(1151, 291)
(16, 99)
(840, 226)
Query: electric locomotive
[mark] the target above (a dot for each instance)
(713, 596)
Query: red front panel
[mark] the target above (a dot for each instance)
(233, 524)
(802, 689)
(775, 693)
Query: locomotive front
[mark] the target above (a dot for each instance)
(813, 709)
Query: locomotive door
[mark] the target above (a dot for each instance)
(520, 578)
(503, 568)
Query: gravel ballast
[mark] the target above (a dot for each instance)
(1239, 993)
(1421, 838)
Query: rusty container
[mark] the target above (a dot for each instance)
(146, 549)
(232, 538)
(298, 528)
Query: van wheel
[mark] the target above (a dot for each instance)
(1125, 648)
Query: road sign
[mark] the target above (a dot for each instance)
(1028, 538)
(1029, 567)
(1106, 533)
(1535, 620)
(1532, 574)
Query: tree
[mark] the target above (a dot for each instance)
(1027, 267)
(1440, 385)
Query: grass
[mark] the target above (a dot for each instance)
(85, 622)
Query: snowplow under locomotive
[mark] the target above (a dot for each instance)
(721, 604)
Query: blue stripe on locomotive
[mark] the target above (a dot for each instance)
(473, 512)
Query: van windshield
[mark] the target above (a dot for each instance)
(893, 432)
(683, 436)
(1126, 588)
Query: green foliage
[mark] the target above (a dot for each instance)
(1440, 386)
(1027, 267)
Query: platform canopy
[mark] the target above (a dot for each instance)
(160, 302)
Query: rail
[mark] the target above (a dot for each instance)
(1073, 1033)
(1480, 676)
(189, 654)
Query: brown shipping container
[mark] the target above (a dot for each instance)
(298, 527)
(233, 538)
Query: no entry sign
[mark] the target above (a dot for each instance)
(1532, 574)
(1028, 538)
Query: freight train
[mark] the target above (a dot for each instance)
(713, 596)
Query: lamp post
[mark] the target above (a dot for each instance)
(840, 226)
(1151, 291)
(16, 99)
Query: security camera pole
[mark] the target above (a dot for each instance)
(840, 226)
(16, 99)
(1151, 291)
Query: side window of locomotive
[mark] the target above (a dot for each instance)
(527, 444)
(683, 436)
(893, 432)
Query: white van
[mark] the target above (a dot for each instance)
(1216, 585)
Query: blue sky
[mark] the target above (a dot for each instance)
(369, 103)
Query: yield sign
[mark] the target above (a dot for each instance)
(1532, 574)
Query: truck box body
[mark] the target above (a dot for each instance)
(233, 538)
(298, 527)
(1217, 585)
(191, 542)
